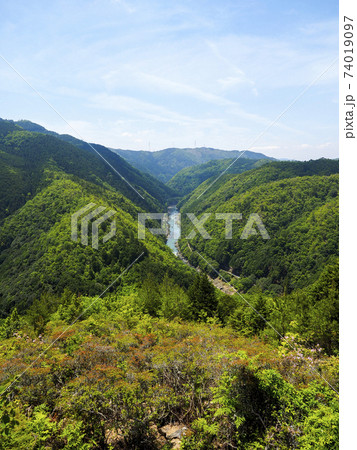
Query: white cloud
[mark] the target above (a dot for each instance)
(232, 81)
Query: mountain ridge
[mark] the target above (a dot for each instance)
(164, 164)
(24, 152)
(189, 178)
(161, 164)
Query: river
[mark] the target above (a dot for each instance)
(172, 238)
(174, 228)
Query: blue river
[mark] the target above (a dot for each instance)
(174, 228)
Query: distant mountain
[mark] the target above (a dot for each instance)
(189, 178)
(164, 164)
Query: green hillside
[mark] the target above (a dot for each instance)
(93, 357)
(25, 155)
(44, 181)
(227, 186)
(164, 164)
(300, 214)
(189, 178)
(38, 255)
(121, 379)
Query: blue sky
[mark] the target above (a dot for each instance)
(155, 74)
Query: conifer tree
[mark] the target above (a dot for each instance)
(202, 297)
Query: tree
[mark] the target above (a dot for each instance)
(39, 313)
(174, 301)
(10, 324)
(150, 295)
(202, 296)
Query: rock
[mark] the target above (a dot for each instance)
(176, 444)
(174, 431)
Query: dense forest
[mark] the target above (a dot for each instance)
(189, 178)
(99, 353)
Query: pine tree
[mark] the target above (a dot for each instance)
(202, 297)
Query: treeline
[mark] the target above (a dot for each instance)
(311, 313)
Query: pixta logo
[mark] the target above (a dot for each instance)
(253, 226)
(84, 224)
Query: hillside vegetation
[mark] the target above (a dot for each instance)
(25, 155)
(99, 353)
(188, 179)
(300, 215)
(44, 182)
(229, 185)
(120, 378)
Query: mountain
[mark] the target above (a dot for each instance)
(164, 164)
(25, 155)
(189, 178)
(230, 185)
(99, 353)
(297, 203)
(43, 182)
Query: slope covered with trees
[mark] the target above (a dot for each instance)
(122, 379)
(299, 213)
(24, 155)
(189, 178)
(44, 182)
(229, 185)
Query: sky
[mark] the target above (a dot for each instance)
(147, 75)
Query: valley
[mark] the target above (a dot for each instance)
(233, 340)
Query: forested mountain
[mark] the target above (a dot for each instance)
(301, 218)
(229, 185)
(159, 358)
(298, 206)
(189, 178)
(25, 155)
(164, 164)
(43, 182)
(297, 203)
